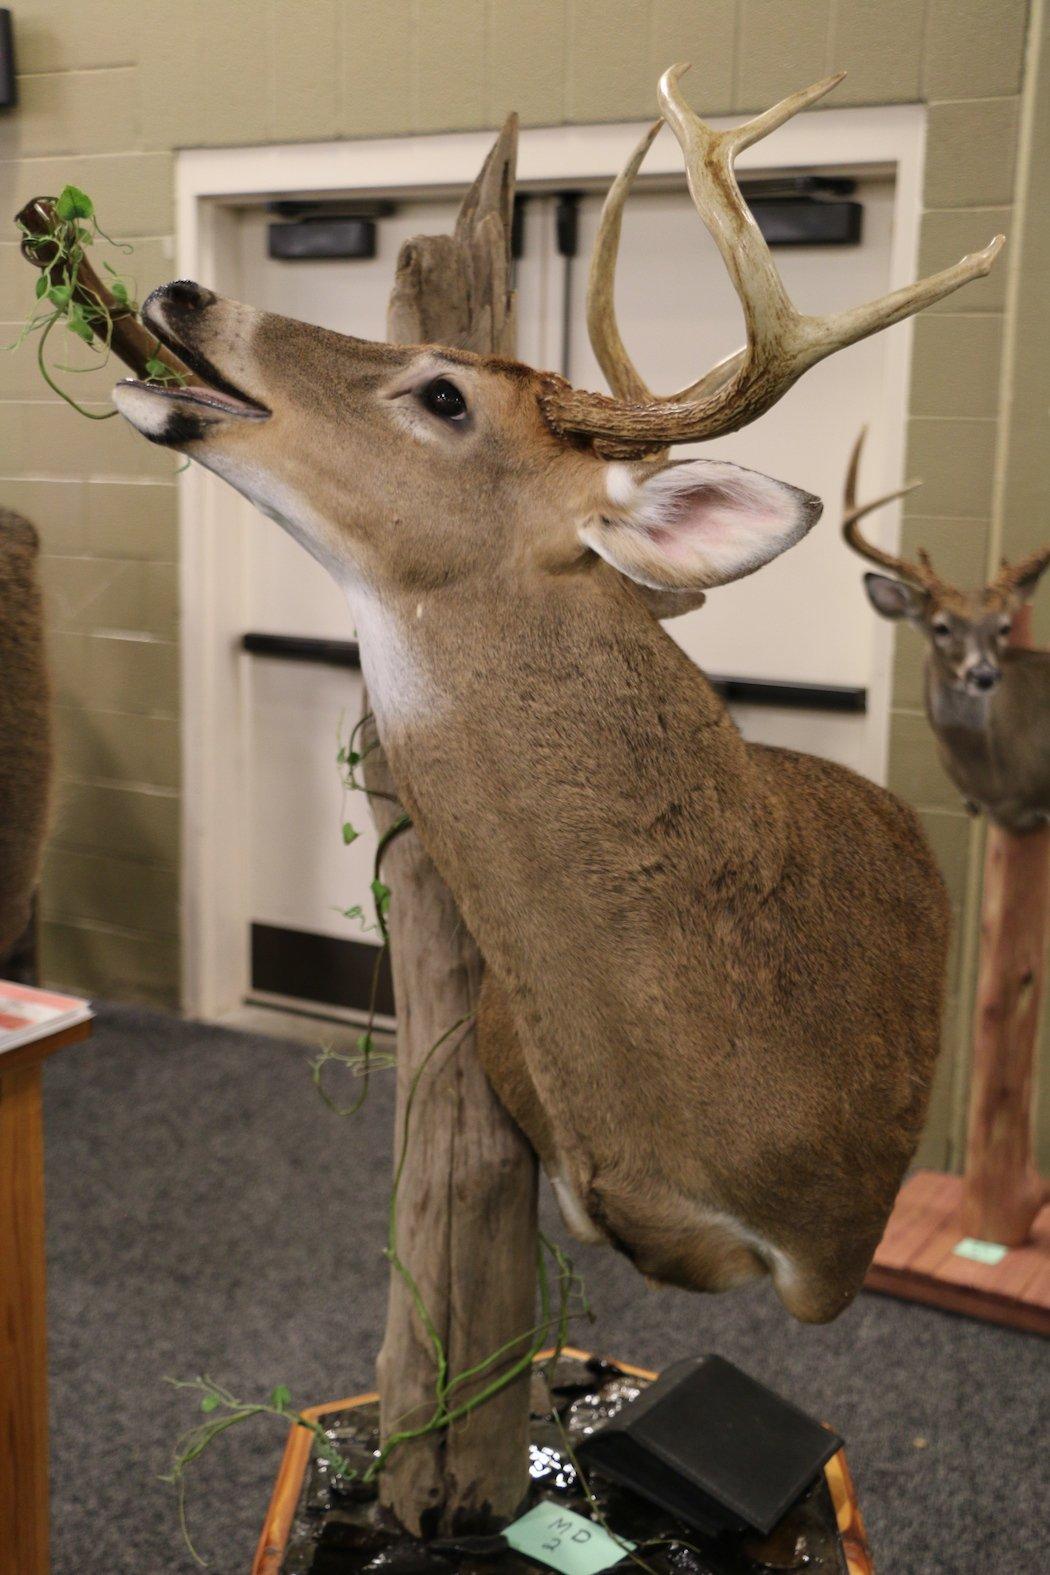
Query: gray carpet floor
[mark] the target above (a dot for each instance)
(206, 1213)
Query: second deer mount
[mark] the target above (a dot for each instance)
(790, 210)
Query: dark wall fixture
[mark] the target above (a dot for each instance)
(805, 210)
(314, 230)
(792, 210)
(8, 83)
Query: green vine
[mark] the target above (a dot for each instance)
(214, 1398)
(364, 1059)
(64, 297)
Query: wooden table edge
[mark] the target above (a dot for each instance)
(38, 1050)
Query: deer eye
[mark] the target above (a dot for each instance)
(941, 628)
(1004, 628)
(444, 399)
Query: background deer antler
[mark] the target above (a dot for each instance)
(1019, 576)
(782, 342)
(920, 574)
(1010, 580)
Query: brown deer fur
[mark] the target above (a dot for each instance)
(25, 748)
(714, 969)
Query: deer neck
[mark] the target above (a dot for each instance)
(557, 750)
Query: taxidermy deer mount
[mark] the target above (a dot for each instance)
(713, 971)
(25, 741)
(987, 702)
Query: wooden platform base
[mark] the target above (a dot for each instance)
(269, 1554)
(917, 1261)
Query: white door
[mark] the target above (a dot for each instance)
(802, 620)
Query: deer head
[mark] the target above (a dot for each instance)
(966, 631)
(402, 466)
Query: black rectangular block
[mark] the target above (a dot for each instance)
(714, 1447)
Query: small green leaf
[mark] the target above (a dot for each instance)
(120, 291)
(364, 1044)
(381, 893)
(356, 912)
(280, 1398)
(60, 294)
(155, 367)
(210, 1403)
(349, 833)
(81, 328)
(74, 204)
(41, 286)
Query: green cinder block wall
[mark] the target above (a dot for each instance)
(109, 91)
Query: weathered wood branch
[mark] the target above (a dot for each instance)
(467, 1197)
(129, 340)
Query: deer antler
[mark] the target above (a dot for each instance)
(922, 573)
(782, 342)
(1021, 575)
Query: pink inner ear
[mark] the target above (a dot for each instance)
(706, 515)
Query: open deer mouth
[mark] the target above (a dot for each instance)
(176, 413)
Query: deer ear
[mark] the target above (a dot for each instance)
(695, 524)
(892, 598)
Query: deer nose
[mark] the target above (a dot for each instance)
(984, 676)
(186, 293)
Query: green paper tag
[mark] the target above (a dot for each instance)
(566, 1541)
(980, 1251)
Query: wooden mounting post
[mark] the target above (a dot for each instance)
(1004, 1192)
(467, 1196)
(1001, 1198)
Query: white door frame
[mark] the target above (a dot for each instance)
(210, 183)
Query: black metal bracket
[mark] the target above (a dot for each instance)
(303, 648)
(842, 698)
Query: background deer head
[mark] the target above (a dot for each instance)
(967, 631)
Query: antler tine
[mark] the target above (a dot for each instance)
(1012, 576)
(921, 573)
(709, 160)
(622, 374)
(834, 332)
(782, 342)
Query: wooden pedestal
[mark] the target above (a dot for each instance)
(1002, 1199)
(277, 1526)
(916, 1260)
(23, 1330)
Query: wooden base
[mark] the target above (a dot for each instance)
(284, 1501)
(916, 1260)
